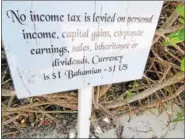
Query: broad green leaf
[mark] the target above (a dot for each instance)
(165, 43)
(183, 64)
(175, 37)
(180, 10)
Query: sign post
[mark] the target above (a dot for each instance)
(55, 46)
(84, 111)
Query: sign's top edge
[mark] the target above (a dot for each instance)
(91, 0)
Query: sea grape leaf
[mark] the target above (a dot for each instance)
(180, 10)
(175, 37)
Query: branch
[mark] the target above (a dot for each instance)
(170, 29)
(167, 24)
(156, 104)
(117, 103)
(104, 89)
(7, 93)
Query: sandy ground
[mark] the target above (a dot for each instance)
(150, 124)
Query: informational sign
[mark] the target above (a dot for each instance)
(55, 46)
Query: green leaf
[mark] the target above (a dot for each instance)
(135, 84)
(182, 20)
(175, 37)
(180, 10)
(177, 120)
(183, 64)
(166, 43)
(129, 93)
(179, 117)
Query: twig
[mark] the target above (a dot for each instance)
(148, 78)
(172, 55)
(4, 73)
(181, 101)
(117, 103)
(10, 100)
(167, 24)
(138, 88)
(165, 62)
(170, 29)
(163, 136)
(17, 126)
(104, 89)
(153, 60)
(50, 111)
(7, 93)
(129, 111)
(64, 95)
(60, 103)
(119, 131)
(100, 107)
(167, 3)
(164, 76)
(173, 17)
(10, 133)
(5, 81)
(46, 114)
(97, 94)
(156, 70)
(173, 44)
(157, 103)
(11, 119)
(94, 102)
(107, 112)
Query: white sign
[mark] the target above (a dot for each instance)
(55, 46)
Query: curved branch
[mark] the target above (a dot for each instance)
(117, 103)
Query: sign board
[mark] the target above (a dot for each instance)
(54, 46)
